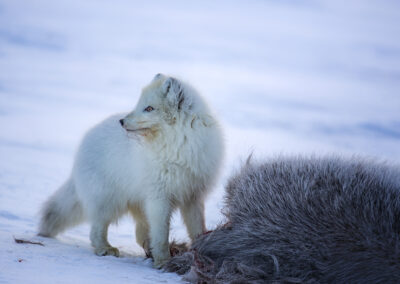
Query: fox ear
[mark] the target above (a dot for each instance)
(174, 92)
(158, 76)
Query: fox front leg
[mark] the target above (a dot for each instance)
(158, 213)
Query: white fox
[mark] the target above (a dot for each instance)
(163, 155)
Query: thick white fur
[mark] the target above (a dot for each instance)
(158, 161)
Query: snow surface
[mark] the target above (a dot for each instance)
(285, 77)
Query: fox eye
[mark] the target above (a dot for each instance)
(149, 109)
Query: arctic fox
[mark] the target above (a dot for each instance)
(163, 155)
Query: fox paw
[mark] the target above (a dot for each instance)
(107, 251)
(159, 262)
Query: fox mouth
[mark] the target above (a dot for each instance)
(137, 129)
(147, 132)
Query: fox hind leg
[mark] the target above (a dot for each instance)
(142, 230)
(98, 238)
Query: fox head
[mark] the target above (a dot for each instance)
(162, 103)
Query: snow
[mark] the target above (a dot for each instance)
(284, 77)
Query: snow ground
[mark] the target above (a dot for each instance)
(285, 77)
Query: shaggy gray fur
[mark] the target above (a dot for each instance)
(307, 220)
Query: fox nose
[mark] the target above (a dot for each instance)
(122, 122)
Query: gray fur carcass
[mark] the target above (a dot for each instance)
(303, 220)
